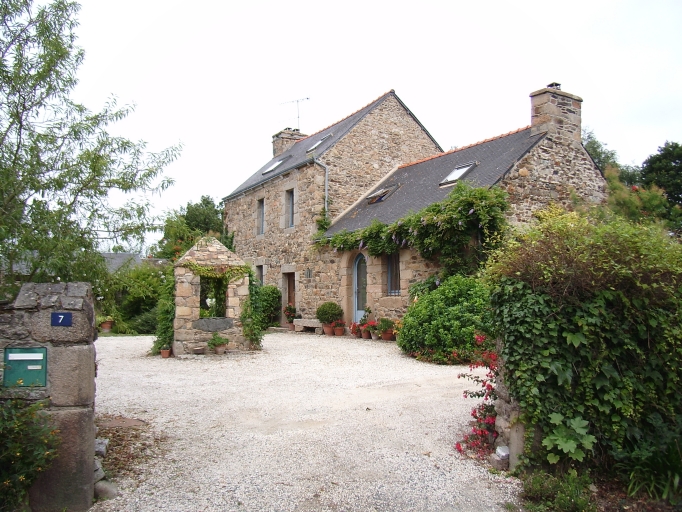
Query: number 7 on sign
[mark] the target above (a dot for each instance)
(61, 319)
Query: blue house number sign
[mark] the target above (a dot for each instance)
(61, 320)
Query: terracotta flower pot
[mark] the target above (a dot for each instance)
(165, 353)
(387, 335)
(366, 334)
(375, 335)
(220, 349)
(292, 327)
(106, 326)
(328, 329)
(339, 331)
(358, 334)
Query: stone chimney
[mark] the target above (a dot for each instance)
(285, 139)
(557, 113)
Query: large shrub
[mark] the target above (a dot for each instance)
(440, 325)
(591, 318)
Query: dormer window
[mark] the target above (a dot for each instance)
(314, 146)
(457, 173)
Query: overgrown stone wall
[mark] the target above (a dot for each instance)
(191, 331)
(70, 384)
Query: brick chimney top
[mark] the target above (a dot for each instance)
(556, 113)
(283, 140)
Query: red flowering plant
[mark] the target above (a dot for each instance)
(355, 328)
(338, 323)
(290, 312)
(370, 326)
(483, 434)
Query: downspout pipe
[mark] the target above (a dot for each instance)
(326, 184)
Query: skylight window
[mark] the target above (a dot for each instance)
(273, 166)
(457, 173)
(314, 146)
(380, 195)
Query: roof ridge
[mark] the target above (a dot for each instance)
(392, 91)
(464, 147)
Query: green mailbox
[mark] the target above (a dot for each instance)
(25, 365)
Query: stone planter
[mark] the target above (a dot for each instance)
(339, 331)
(220, 349)
(387, 335)
(328, 329)
(165, 353)
(366, 334)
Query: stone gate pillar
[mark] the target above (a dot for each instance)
(55, 324)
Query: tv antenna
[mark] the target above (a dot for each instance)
(298, 114)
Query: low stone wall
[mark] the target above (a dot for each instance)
(59, 318)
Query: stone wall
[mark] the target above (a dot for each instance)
(70, 384)
(191, 331)
(386, 137)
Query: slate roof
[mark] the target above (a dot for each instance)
(115, 260)
(298, 155)
(416, 185)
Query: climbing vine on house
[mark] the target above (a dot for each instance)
(457, 231)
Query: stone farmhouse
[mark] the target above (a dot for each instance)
(381, 163)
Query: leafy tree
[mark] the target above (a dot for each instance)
(664, 170)
(183, 227)
(58, 163)
(602, 157)
(204, 216)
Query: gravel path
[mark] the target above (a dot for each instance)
(310, 423)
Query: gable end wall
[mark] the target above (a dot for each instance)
(552, 172)
(388, 136)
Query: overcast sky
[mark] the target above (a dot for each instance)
(221, 76)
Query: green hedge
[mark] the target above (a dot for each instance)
(440, 325)
(591, 319)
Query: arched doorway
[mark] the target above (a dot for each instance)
(359, 287)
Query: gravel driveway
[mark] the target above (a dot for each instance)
(309, 423)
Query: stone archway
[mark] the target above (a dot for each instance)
(210, 258)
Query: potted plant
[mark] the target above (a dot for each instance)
(165, 351)
(105, 322)
(339, 327)
(290, 313)
(355, 329)
(218, 343)
(385, 328)
(327, 313)
(369, 330)
(373, 329)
